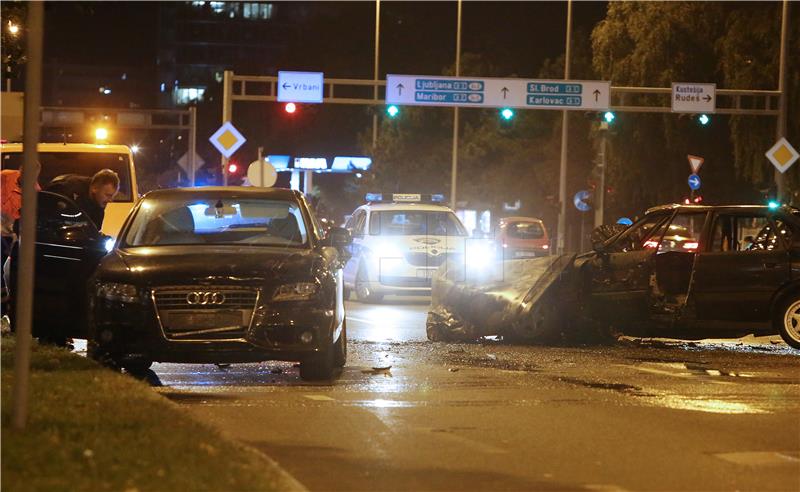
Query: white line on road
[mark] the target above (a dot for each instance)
(319, 397)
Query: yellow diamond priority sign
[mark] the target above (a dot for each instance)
(782, 155)
(227, 139)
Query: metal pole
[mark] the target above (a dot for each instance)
(192, 145)
(780, 130)
(308, 182)
(260, 167)
(562, 175)
(601, 196)
(227, 114)
(454, 171)
(24, 287)
(375, 73)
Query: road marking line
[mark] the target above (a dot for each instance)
(659, 371)
(758, 458)
(319, 397)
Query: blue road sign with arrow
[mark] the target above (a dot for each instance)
(580, 200)
(694, 182)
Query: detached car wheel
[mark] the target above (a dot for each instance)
(318, 367)
(787, 321)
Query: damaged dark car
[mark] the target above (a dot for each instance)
(221, 275)
(684, 271)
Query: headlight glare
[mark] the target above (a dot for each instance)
(114, 291)
(299, 291)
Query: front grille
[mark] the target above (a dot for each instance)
(422, 259)
(194, 313)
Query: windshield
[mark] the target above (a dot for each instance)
(415, 223)
(217, 221)
(525, 230)
(56, 164)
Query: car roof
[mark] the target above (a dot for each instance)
(519, 218)
(706, 208)
(405, 206)
(69, 147)
(226, 191)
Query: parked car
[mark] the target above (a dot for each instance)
(522, 237)
(203, 275)
(703, 269)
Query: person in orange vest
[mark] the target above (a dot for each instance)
(11, 203)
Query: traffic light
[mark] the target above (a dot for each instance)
(507, 113)
(232, 168)
(290, 108)
(703, 119)
(609, 117)
(392, 110)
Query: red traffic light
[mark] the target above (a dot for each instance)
(290, 108)
(232, 168)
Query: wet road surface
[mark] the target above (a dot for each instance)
(410, 414)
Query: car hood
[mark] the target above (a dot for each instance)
(186, 265)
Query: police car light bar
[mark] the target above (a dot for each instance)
(404, 198)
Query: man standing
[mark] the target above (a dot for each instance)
(91, 194)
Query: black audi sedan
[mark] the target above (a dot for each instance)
(198, 275)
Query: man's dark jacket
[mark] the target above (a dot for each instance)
(76, 187)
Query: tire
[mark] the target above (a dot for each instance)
(787, 320)
(363, 292)
(318, 367)
(136, 366)
(340, 348)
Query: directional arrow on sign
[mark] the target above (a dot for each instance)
(694, 182)
(707, 98)
(596, 94)
(286, 85)
(400, 88)
(504, 90)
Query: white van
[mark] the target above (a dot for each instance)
(84, 159)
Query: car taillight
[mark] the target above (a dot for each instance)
(691, 246)
(546, 246)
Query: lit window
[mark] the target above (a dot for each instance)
(217, 7)
(186, 95)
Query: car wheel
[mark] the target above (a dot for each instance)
(318, 367)
(340, 348)
(363, 292)
(136, 366)
(787, 321)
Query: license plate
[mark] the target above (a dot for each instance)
(199, 321)
(425, 272)
(524, 254)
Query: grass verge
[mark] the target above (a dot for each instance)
(91, 429)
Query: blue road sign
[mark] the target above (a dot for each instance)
(694, 182)
(553, 88)
(448, 85)
(449, 97)
(580, 200)
(556, 100)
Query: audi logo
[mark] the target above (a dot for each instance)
(205, 298)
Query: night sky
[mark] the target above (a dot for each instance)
(416, 37)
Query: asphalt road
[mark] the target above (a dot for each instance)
(411, 414)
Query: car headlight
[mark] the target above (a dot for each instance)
(109, 244)
(114, 291)
(480, 255)
(299, 291)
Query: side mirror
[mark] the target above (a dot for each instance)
(338, 237)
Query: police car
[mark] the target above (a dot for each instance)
(400, 240)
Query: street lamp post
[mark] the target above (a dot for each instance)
(454, 171)
(780, 130)
(375, 73)
(562, 175)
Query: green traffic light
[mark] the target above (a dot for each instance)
(704, 119)
(392, 111)
(507, 113)
(609, 116)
